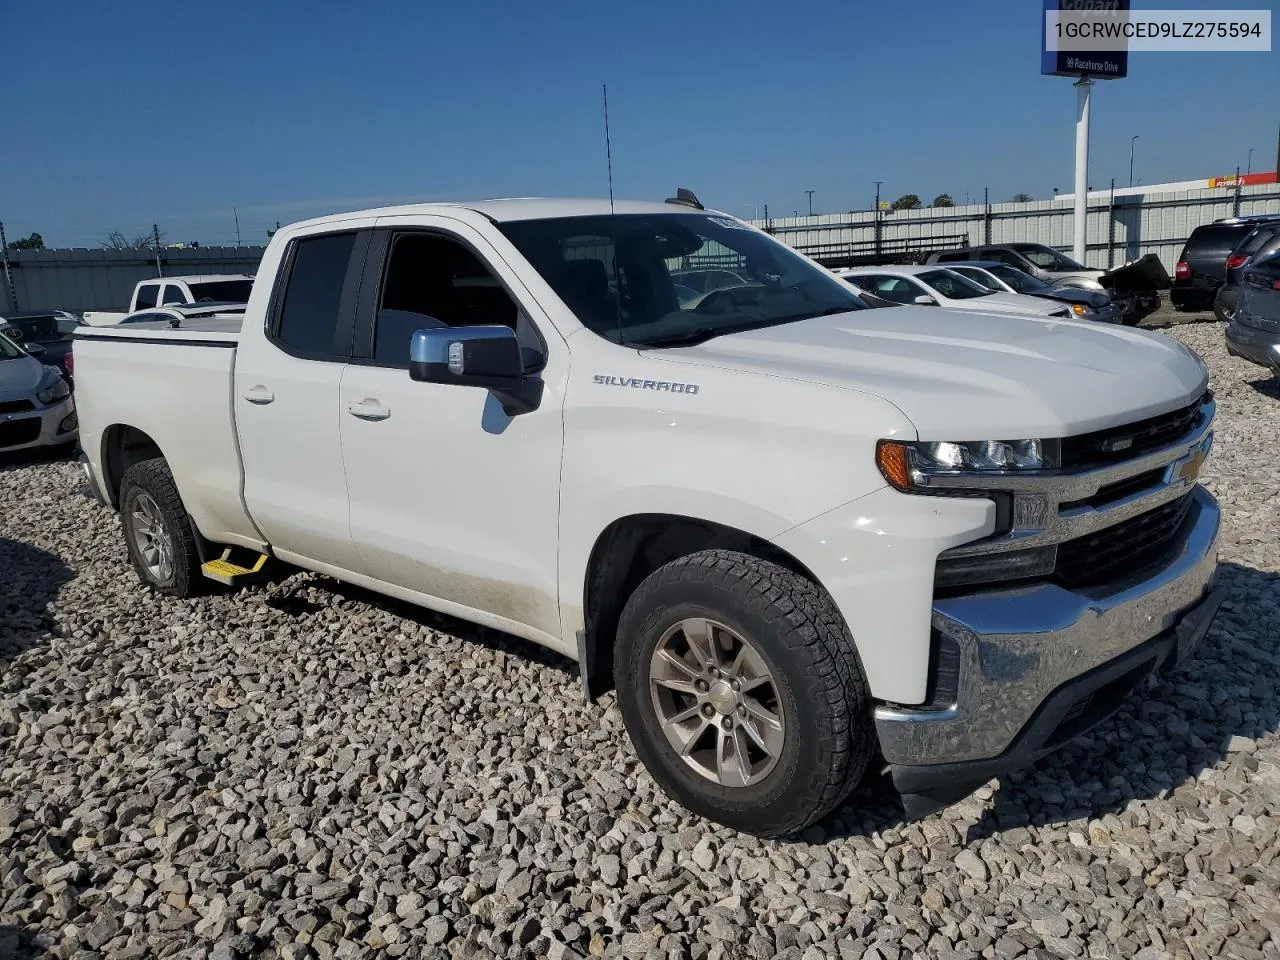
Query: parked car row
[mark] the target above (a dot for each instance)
(1134, 288)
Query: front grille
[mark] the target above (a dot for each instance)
(1133, 439)
(1102, 556)
(16, 406)
(16, 432)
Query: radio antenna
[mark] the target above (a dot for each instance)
(608, 144)
(613, 224)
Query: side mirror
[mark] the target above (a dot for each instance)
(487, 357)
(925, 300)
(34, 349)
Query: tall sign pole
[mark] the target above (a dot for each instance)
(1086, 67)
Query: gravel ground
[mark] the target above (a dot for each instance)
(307, 770)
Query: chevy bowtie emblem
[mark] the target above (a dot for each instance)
(1188, 468)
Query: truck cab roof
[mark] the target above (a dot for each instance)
(515, 208)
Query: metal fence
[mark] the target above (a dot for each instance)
(1120, 228)
(79, 280)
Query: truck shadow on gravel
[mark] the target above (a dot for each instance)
(30, 579)
(292, 600)
(1207, 713)
(17, 944)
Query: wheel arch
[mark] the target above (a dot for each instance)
(626, 552)
(123, 446)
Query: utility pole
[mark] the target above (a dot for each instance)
(1132, 140)
(1235, 202)
(237, 216)
(986, 215)
(1248, 167)
(876, 219)
(8, 276)
(810, 193)
(1083, 88)
(155, 239)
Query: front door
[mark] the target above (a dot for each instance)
(449, 496)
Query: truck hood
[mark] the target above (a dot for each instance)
(20, 377)
(963, 375)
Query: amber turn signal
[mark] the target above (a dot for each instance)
(892, 459)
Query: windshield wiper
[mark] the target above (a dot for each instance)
(701, 335)
(689, 338)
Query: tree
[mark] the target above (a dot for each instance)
(33, 242)
(1022, 198)
(908, 201)
(943, 200)
(118, 241)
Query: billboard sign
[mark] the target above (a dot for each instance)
(1100, 65)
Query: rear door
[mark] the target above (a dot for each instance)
(286, 399)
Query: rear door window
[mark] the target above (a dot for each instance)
(147, 296)
(311, 309)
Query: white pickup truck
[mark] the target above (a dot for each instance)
(170, 291)
(802, 539)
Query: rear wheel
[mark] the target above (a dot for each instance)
(740, 688)
(158, 532)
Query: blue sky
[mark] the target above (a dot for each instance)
(119, 115)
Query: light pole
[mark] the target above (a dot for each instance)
(755, 210)
(1083, 87)
(1132, 140)
(810, 193)
(1248, 168)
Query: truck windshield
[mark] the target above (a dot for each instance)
(220, 291)
(1046, 258)
(677, 279)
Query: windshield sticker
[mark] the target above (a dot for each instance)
(665, 386)
(728, 224)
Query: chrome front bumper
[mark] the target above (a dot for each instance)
(1017, 646)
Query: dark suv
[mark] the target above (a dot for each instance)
(1262, 241)
(1202, 266)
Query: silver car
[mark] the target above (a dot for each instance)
(36, 408)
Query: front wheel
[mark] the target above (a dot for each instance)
(158, 532)
(740, 688)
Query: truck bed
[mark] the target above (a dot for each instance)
(175, 387)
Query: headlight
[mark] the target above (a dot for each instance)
(52, 388)
(908, 466)
(1080, 310)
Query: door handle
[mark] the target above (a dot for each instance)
(259, 394)
(368, 409)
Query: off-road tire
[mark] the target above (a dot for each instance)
(152, 477)
(829, 739)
